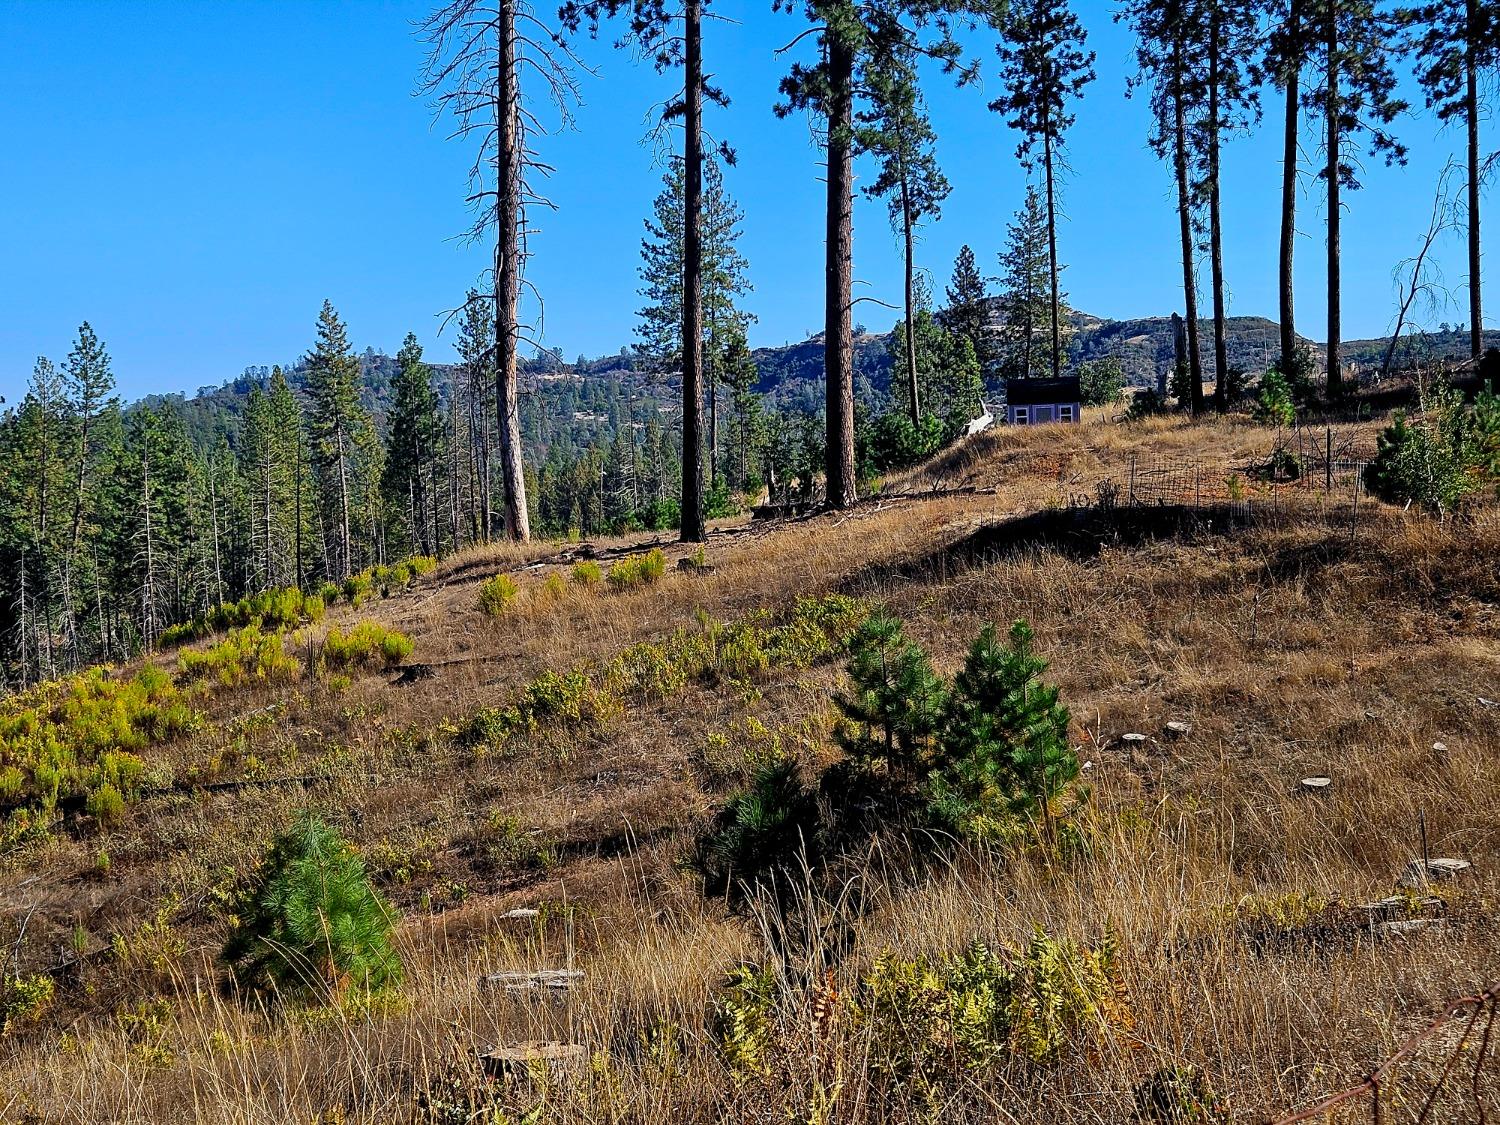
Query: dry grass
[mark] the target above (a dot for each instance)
(1292, 650)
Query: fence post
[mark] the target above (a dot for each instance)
(1132, 478)
(1328, 462)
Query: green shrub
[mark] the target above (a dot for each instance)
(313, 607)
(368, 645)
(759, 831)
(245, 654)
(357, 587)
(638, 570)
(24, 1000)
(422, 564)
(744, 1014)
(1101, 381)
(311, 924)
(1146, 403)
(106, 805)
(587, 573)
(933, 1021)
(1446, 453)
(496, 594)
(1274, 405)
(328, 593)
(892, 442)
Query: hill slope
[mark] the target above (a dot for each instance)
(1288, 646)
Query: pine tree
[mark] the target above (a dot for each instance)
(411, 451)
(339, 427)
(1286, 47)
(311, 924)
(1167, 34)
(1043, 67)
(968, 311)
(1024, 304)
(896, 703)
(895, 128)
(1457, 44)
(1352, 46)
(746, 427)
(829, 88)
(1005, 735)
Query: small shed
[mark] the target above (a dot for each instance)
(1033, 402)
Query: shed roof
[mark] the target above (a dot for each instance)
(1031, 392)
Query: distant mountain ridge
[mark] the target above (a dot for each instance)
(791, 375)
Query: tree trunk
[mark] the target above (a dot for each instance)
(1215, 233)
(1471, 117)
(1331, 113)
(1052, 258)
(911, 327)
(693, 527)
(507, 271)
(346, 548)
(838, 340)
(1185, 225)
(1289, 184)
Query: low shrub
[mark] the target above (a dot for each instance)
(244, 655)
(1274, 405)
(934, 1021)
(106, 804)
(1445, 453)
(759, 831)
(24, 1000)
(587, 573)
(497, 593)
(638, 570)
(310, 924)
(368, 645)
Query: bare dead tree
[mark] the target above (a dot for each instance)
(481, 56)
(1422, 279)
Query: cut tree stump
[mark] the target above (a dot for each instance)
(517, 1061)
(1179, 729)
(1436, 871)
(1316, 784)
(544, 980)
(521, 912)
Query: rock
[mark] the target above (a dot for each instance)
(521, 912)
(1396, 906)
(1179, 729)
(1483, 702)
(1316, 784)
(1436, 871)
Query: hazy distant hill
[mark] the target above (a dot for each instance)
(585, 399)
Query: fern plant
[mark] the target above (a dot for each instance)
(312, 925)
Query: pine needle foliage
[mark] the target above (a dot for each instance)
(896, 703)
(311, 926)
(760, 830)
(1005, 736)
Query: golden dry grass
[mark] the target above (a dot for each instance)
(1292, 649)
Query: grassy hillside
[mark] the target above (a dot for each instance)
(1228, 895)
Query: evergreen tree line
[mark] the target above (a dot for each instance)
(1203, 64)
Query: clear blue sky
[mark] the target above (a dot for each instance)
(194, 179)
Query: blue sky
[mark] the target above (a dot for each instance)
(194, 179)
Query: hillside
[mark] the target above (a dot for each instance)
(579, 399)
(1284, 640)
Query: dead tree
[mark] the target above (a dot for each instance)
(480, 51)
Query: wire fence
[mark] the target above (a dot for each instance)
(1459, 1091)
(1327, 464)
